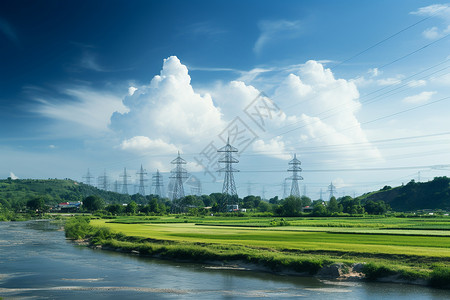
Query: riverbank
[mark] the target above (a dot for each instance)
(273, 254)
(328, 271)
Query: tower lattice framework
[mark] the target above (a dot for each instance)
(157, 182)
(88, 177)
(179, 174)
(103, 181)
(229, 186)
(124, 181)
(295, 169)
(142, 179)
(332, 190)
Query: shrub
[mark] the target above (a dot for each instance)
(440, 277)
(375, 271)
(77, 228)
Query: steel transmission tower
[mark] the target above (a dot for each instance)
(157, 182)
(285, 188)
(195, 184)
(103, 182)
(88, 177)
(178, 174)
(229, 187)
(124, 181)
(116, 187)
(141, 174)
(331, 189)
(295, 169)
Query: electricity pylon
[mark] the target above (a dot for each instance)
(124, 181)
(331, 189)
(141, 174)
(157, 182)
(178, 174)
(103, 182)
(295, 169)
(229, 187)
(88, 177)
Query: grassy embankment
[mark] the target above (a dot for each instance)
(412, 248)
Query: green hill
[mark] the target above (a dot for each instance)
(414, 196)
(14, 194)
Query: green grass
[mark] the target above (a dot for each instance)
(387, 245)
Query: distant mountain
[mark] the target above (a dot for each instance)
(414, 196)
(15, 193)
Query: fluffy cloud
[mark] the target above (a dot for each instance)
(168, 110)
(441, 11)
(417, 83)
(13, 176)
(275, 148)
(324, 109)
(142, 144)
(419, 98)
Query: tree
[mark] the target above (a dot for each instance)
(93, 203)
(306, 201)
(319, 208)
(263, 206)
(376, 208)
(333, 206)
(115, 209)
(36, 204)
(274, 200)
(131, 208)
(291, 206)
(351, 206)
(153, 205)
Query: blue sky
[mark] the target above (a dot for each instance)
(358, 89)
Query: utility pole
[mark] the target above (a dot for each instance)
(178, 174)
(157, 182)
(124, 181)
(116, 187)
(141, 174)
(295, 169)
(321, 196)
(88, 177)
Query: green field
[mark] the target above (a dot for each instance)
(414, 246)
(356, 236)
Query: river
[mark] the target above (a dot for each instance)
(37, 262)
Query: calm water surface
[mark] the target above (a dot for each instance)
(36, 262)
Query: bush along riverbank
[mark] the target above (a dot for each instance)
(237, 257)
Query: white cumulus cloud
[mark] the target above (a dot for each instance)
(440, 11)
(142, 144)
(168, 115)
(13, 176)
(274, 147)
(419, 98)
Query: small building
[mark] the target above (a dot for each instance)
(69, 206)
(307, 209)
(232, 208)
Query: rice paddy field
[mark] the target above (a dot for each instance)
(413, 242)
